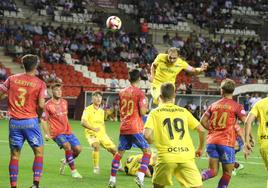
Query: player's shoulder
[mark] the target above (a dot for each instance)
(48, 103)
(89, 107)
(63, 101)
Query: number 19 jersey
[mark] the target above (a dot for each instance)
(223, 115)
(170, 123)
(23, 93)
(131, 100)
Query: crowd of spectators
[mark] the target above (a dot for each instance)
(241, 59)
(205, 13)
(9, 5)
(67, 7)
(52, 43)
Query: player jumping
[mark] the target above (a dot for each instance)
(166, 67)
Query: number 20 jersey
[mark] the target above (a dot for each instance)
(223, 115)
(131, 100)
(23, 93)
(170, 123)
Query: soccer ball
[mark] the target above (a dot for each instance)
(113, 23)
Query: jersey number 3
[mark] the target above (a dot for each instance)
(21, 101)
(167, 122)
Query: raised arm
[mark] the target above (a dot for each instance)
(196, 71)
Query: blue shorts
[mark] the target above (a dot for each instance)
(225, 154)
(127, 141)
(24, 129)
(63, 138)
(240, 144)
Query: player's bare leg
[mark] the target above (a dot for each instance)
(14, 167)
(115, 167)
(37, 165)
(69, 159)
(212, 171)
(143, 168)
(96, 157)
(226, 176)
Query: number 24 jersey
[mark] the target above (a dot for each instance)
(170, 123)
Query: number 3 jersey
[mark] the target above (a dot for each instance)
(222, 116)
(131, 100)
(23, 93)
(170, 124)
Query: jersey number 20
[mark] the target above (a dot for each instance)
(167, 122)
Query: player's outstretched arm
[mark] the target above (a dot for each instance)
(148, 135)
(201, 133)
(85, 124)
(248, 148)
(196, 71)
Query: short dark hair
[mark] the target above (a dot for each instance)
(167, 91)
(53, 86)
(30, 62)
(134, 75)
(228, 86)
(97, 92)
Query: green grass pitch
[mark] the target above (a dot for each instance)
(253, 176)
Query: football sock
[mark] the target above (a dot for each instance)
(70, 159)
(96, 158)
(207, 174)
(37, 169)
(145, 160)
(13, 172)
(115, 164)
(224, 181)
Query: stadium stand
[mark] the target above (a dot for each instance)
(86, 51)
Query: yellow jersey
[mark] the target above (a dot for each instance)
(260, 110)
(170, 123)
(167, 72)
(133, 163)
(95, 118)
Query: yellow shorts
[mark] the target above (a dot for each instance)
(155, 92)
(186, 174)
(264, 155)
(103, 140)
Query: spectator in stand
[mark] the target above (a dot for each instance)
(114, 84)
(144, 74)
(182, 87)
(106, 67)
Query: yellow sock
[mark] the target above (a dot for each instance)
(96, 158)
